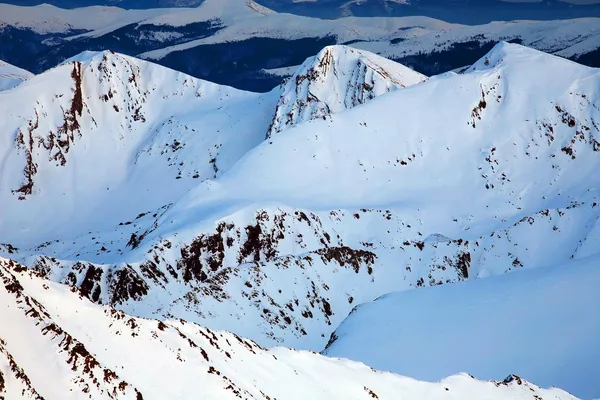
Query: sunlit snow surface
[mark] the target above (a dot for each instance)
(11, 76)
(543, 324)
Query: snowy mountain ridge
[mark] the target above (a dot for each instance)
(458, 177)
(101, 353)
(142, 114)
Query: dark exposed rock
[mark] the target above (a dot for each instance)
(10, 249)
(125, 284)
(150, 270)
(332, 339)
(18, 373)
(345, 255)
(478, 109)
(462, 263)
(30, 168)
(512, 378)
(91, 285)
(371, 393)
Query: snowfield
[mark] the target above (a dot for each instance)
(494, 324)
(274, 215)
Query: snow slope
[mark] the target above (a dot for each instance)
(336, 79)
(145, 125)
(58, 345)
(11, 76)
(516, 320)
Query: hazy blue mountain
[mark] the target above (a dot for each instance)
(243, 44)
(458, 11)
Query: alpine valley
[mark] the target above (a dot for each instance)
(162, 236)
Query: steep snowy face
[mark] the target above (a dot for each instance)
(104, 137)
(337, 79)
(101, 353)
(11, 76)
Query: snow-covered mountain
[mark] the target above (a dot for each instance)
(11, 76)
(336, 79)
(147, 126)
(462, 11)
(156, 126)
(60, 346)
(157, 193)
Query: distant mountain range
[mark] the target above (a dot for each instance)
(248, 46)
(456, 11)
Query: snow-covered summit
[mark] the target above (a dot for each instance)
(11, 76)
(336, 79)
(505, 54)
